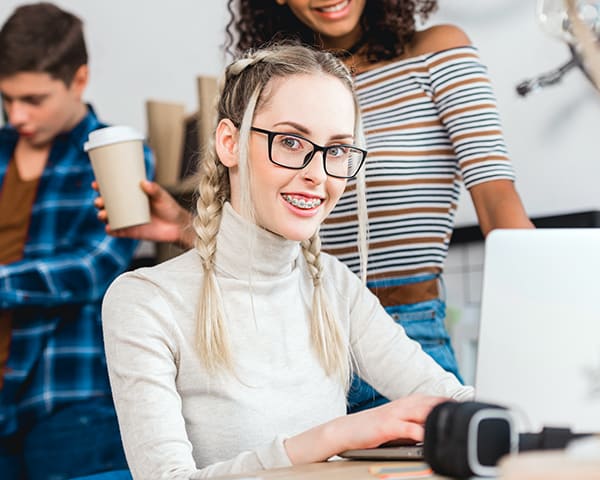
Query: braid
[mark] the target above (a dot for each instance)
(213, 345)
(249, 59)
(243, 90)
(208, 210)
(331, 348)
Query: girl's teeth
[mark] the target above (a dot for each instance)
(334, 8)
(302, 203)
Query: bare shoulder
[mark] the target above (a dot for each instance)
(438, 38)
(431, 40)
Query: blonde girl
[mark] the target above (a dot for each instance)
(236, 356)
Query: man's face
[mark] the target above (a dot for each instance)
(40, 107)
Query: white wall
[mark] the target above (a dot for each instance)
(154, 49)
(552, 134)
(141, 50)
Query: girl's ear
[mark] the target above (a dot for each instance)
(226, 143)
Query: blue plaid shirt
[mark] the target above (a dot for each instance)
(55, 292)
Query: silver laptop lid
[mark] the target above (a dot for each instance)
(539, 338)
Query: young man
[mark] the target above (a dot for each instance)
(56, 415)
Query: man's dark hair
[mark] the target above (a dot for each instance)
(387, 25)
(42, 38)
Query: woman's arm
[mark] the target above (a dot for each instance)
(468, 108)
(141, 354)
(498, 205)
(382, 353)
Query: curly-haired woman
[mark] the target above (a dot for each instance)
(431, 123)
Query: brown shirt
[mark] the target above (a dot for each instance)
(16, 200)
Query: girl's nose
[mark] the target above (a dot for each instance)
(315, 170)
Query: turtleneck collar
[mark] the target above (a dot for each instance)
(245, 250)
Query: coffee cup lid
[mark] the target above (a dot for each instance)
(110, 135)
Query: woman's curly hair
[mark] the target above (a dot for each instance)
(387, 25)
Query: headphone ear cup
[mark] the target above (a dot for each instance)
(446, 441)
(431, 437)
(439, 444)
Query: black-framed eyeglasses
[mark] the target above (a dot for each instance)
(293, 151)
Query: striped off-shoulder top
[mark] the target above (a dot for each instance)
(430, 122)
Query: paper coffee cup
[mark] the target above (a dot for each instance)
(117, 156)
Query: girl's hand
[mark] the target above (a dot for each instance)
(403, 418)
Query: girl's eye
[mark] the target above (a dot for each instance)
(336, 151)
(291, 142)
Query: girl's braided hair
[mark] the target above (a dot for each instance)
(244, 89)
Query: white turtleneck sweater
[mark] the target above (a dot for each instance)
(179, 422)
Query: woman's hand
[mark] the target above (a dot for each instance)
(169, 222)
(403, 418)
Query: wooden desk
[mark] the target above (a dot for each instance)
(333, 470)
(536, 465)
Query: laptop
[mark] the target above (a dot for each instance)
(394, 450)
(539, 336)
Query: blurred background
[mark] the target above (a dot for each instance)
(156, 49)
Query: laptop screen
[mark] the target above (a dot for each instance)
(539, 338)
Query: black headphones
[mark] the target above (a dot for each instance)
(468, 438)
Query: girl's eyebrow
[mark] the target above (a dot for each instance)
(305, 131)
